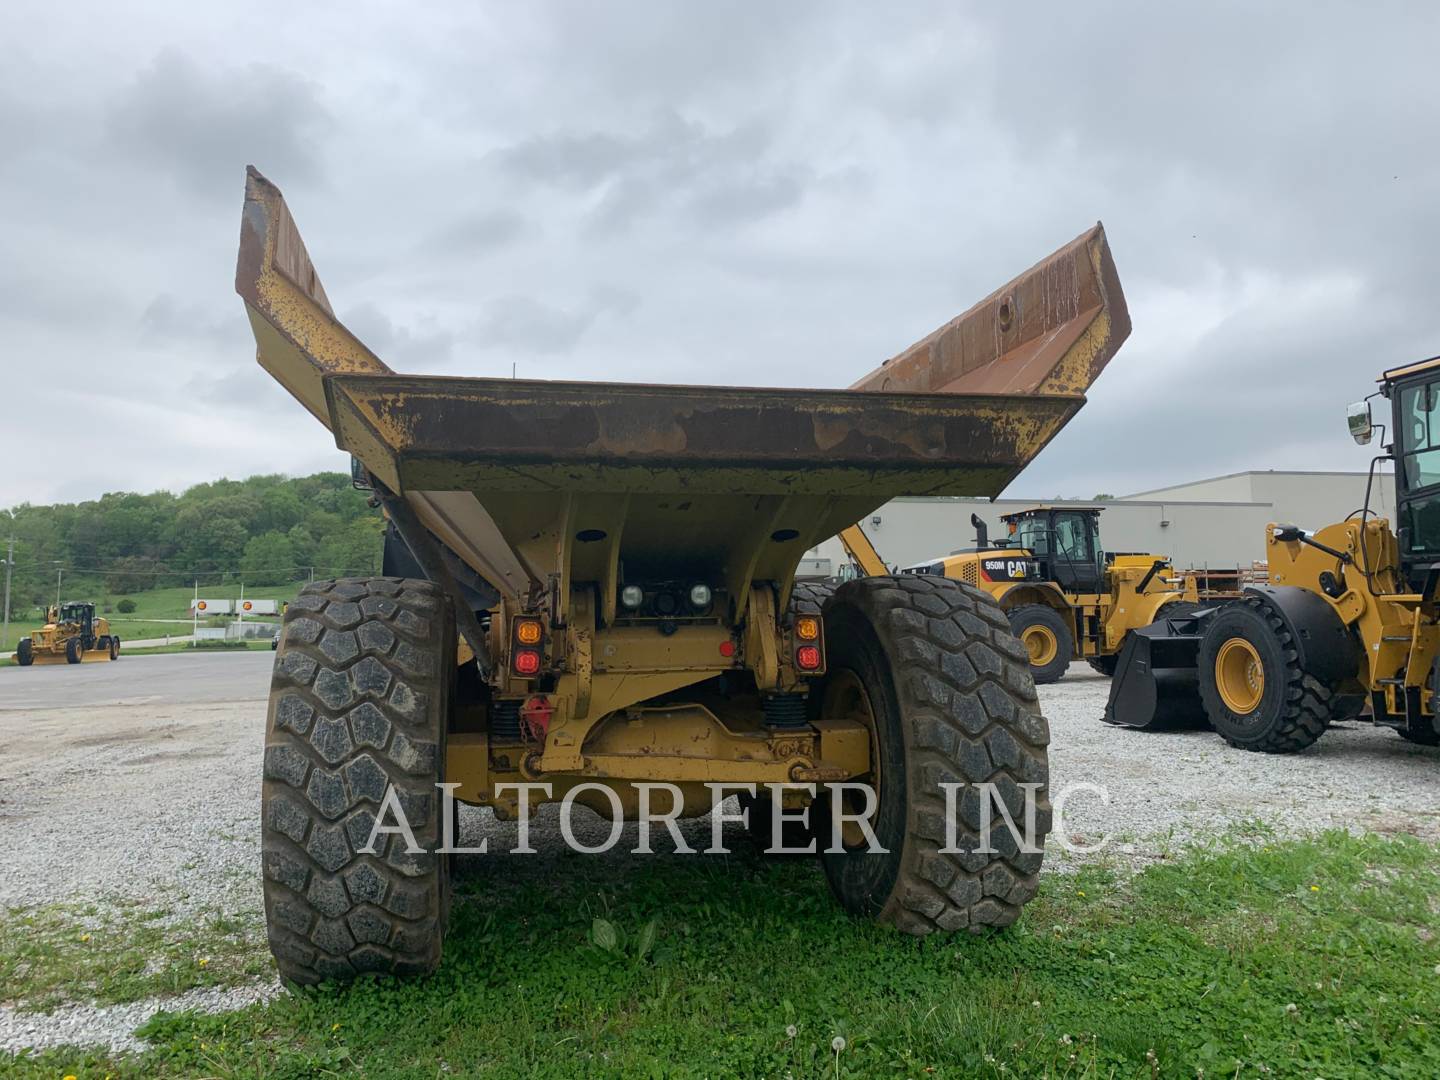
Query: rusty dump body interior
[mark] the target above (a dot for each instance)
(560, 494)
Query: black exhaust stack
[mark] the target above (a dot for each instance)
(982, 534)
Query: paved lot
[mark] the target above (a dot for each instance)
(168, 679)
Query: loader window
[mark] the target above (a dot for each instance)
(1031, 534)
(1420, 434)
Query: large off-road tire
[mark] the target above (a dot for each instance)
(114, 647)
(1106, 665)
(74, 651)
(1426, 736)
(1048, 639)
(1420, 738)
(358, 703)
(930, 665)
(806, 598)
(1255, 693)
(25, 652)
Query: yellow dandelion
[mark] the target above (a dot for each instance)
(84, 937)
(204, 961)
(1314, 888)
(334, 1027)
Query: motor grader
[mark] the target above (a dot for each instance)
(1066, 597)
(1350, 618)
(598, 595)
(72, 634)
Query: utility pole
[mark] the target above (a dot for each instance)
(195, 614)
(9, 566)
(59, 576)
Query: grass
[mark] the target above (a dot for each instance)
(152, 607)
(1305, 958)
(119, 953)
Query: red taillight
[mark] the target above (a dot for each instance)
(807, 658)
(727, 648)
(525, 661)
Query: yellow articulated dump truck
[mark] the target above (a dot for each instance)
(600, 605)
(1350, 618)
(1066, 597)
(72, 634)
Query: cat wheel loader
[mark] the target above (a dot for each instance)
(1065, 596)
(72, 634)
(599, 604)
(1350, 619)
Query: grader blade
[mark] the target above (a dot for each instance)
(507, 473)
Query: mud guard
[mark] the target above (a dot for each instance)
(1156, 679)
(1324, 644)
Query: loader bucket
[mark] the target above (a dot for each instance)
(534, 483)
(1155, 683)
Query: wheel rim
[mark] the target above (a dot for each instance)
(846, 698)
(1040, 643)
(1239, 676)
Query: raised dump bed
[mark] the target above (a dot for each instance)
(618, 561)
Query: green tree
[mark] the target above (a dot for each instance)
(269, 559)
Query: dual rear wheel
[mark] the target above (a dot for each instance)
(359, 708)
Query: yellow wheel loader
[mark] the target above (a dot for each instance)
(1065, 596)
(1350, 618)
(591, 598)
(72, 634)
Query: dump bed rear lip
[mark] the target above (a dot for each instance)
(403, 427)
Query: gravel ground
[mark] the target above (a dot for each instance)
(159, 802)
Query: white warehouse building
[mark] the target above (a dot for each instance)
(1216, 523)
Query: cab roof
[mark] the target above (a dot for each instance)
(1042, 508)
(1410, 369)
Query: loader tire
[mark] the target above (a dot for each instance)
(358, 705)
(930, 665)
(114, 647)
(25, 652)
(807, 598)
(74, 651)
(1049, 642)
(1107, 665)
(1255, 693)
(1430, 736)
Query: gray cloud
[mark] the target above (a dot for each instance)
(200, 123)
(673, 164)
(778, 195)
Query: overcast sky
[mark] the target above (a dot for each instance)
(765, 194)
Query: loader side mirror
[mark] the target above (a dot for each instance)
(1357, 416)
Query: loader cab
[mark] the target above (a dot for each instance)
(1065, 542)
(1415, 399)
